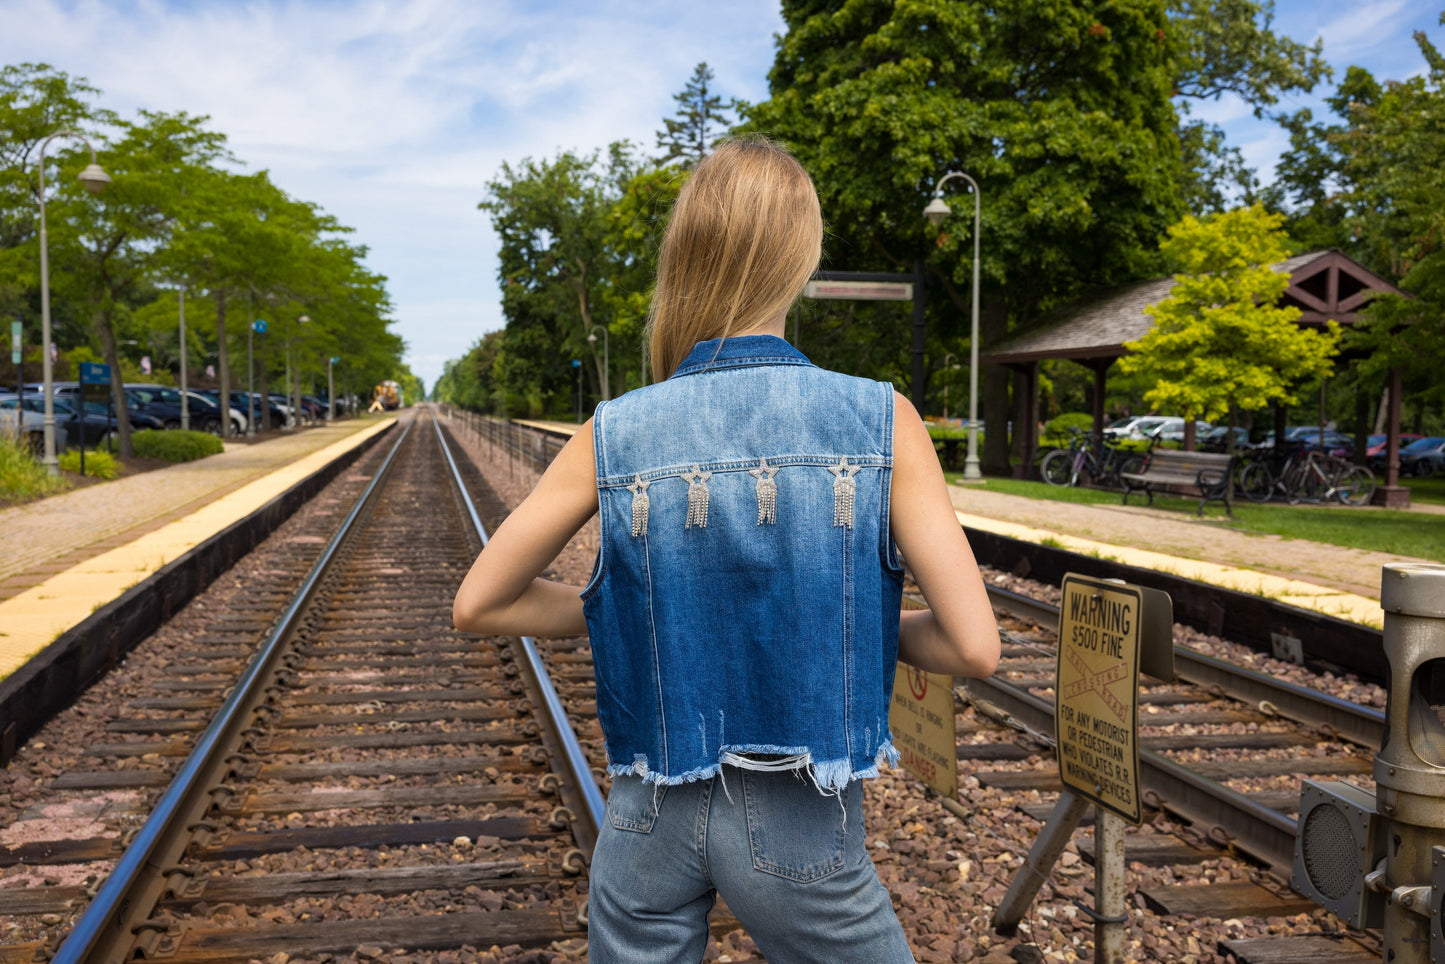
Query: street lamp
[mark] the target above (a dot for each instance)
(577, 364)
(304, 319)
(185, 403)
(937, 212)
(606, 358)
(95, 181)
(331, 388)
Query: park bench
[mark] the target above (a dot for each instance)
(1209, 475)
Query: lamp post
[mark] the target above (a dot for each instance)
(293, 389)
(577, 364)
(331, 388)
(937, 212)
(95, 181)
(258, 326)
(606, 358)
(185, 403)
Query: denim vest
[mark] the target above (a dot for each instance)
(746, 592)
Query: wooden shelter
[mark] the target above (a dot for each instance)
(1324, 285)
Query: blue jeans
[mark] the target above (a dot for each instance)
(790, 862)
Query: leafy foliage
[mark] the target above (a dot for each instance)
(702, 117)
(98, 464)
(1220, 342)
(175, 445)
(175, 215)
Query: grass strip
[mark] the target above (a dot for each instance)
(1393, 531)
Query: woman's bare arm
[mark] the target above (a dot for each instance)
(502, 594)
(957, 635)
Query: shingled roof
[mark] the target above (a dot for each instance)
(1323, 285)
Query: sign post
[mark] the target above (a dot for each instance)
(17, 334)
(1108, 631)
(94, 380)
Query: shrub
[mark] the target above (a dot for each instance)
(175, 445)
(21, 476)
(101, 465)
(1056, 432)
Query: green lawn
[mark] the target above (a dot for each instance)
(1417, 534)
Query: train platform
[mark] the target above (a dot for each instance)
(1332, 580)
(72, 553)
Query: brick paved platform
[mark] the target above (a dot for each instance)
(70, 554)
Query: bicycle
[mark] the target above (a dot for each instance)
(1319, 477)
(1089, 458)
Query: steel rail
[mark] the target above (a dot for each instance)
(1335, 717)
(157, 844)
(555, 712)
(1265, 834)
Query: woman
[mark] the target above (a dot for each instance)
(744, 609)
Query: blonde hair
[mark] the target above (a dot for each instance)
(745, 235)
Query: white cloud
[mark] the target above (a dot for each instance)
(393, 114)
(1364, 26)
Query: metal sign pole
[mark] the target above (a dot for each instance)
(1110, 916)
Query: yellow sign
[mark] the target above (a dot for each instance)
(1097, 692)
(922, 722)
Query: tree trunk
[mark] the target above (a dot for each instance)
(223, 363)
(117, 384)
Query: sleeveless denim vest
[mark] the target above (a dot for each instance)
(746, 592)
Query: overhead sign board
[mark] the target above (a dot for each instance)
(859, 290)
(1103, 625)
(922, 721)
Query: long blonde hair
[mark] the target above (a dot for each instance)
(745, 235)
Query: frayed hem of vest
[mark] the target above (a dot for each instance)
(830, 776)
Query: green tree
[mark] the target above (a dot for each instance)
(1368, 183)
(1061, 111)
(105, 245)
(701, 118)
(558, 272)
(1220, 343)
(35, 101)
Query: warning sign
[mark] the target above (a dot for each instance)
(1097, 692)
(921, 718)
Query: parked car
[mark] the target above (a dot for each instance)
(94, 423)
(1133, 426)
(27, 423)
(1424, 456)
(1171, 429)
(256, 405)
(1375, 448)
(1216, 439)
(204, 410)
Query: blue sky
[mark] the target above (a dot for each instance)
(393, 114)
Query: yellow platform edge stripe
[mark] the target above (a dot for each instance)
(1293, 592)
(31, 620)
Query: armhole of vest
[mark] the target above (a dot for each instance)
(599, 565)
(888, 550)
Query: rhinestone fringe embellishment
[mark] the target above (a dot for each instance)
(696, 497)
(767, 492)
(640, 505)
(844, 488)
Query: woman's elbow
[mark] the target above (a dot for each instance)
(468, 616)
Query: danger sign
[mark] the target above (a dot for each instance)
(921, 718)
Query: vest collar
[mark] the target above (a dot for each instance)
(739, 351)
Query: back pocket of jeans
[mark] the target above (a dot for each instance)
(794, 831)
(633, 805)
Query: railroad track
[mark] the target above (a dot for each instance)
(369, 767)
(1216, 727)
